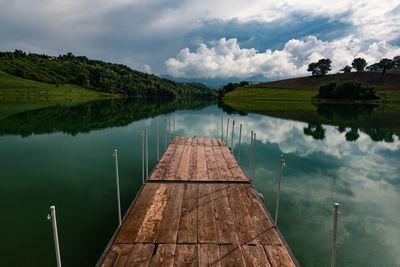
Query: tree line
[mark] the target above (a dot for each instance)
(96, 75)
(323, 66)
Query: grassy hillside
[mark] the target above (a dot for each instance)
(95, 75)
(388, 82)
(17, 95)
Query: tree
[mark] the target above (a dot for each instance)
(359, 64)
(321, 67)
(385, 64)
(346, 69)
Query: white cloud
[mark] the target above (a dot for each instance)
(227, 59)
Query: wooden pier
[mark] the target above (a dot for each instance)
(197, 209)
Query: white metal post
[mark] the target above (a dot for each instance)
(117, 181)
(240, 140)
(250, 154)
(222, 128)
(165, 136)
(53, 218)
(233, 133)
(253, 157)
(147, 153)
(282, 164)
(336, 212)
(169, 129)
(158, 144)
(142, 134)
(227, 130)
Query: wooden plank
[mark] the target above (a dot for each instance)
(131, 225)
(193, 163)
(260, 220)
(164, 255)
(117, 256)
(140, 255)
(209, 255)
(184, 164)
(159, 171)
(155, 212)
(223, 169)
(206, 224)
(186, 255)
(201, 164)
(233, 165)
(188, 222)
(231, 255)
(223, 215)
(168, 230)
(212, 166)
(244, 225)
(278, 256)
(170, 173)
(254, 255)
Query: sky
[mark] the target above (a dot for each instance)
(208, 39)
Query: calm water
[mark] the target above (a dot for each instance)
(63, 156)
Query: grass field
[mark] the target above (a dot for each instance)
(18, 95)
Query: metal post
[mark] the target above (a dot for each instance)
(233, 133)
(142, 134)
(227, 130)
(147, 153)
(53, 218)
(117, 180)
(174, 133)
(253, 157)
(222, 128)
(240, 140)
(250, 154)
(169, 129)
(336, 212)
(282, 164)
(158, 144)
(165, 136)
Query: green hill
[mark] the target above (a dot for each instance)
(95, 75)
(388, 82)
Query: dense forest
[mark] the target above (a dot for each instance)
(96, 75)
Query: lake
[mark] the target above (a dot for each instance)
(62, 156)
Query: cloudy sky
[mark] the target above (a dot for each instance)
(208, 38)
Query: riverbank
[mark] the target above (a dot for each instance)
(19, 95)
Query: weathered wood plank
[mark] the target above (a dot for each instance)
(209, 255)
(223, 216)
(188, 222)
(131, 225)
(201, 164)
(193, 163)
(168, 230)
(164, 255)
(184, 164)
(140, 255)
(154, 215)
(212, 166)
(254, 255)
(223, 169)
(206, 224)
(159, 171)
(244, 225)
(233, 165)
(186, 255)
(262, 224)
(118, 256)
(278, 256)
(170, 172)
(231, 255)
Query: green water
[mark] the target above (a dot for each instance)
(63, 157)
